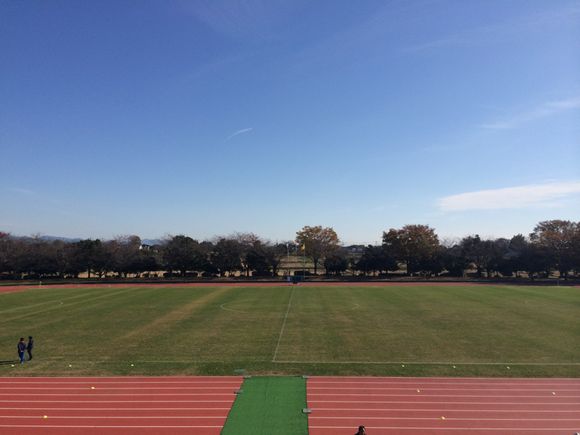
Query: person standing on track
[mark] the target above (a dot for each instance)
(29, 347)
(361, 431)
(21, 348)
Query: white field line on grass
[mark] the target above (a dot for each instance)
(283, 324)
(223, 307)
(438, 363)
(79, 363)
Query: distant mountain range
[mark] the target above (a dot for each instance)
(149, 242)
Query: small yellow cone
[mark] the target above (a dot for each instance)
(442, 417)
(45, 416)
(92, 388)
(402, 365)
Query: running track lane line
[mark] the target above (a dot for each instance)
(39, 413)
(425, 406)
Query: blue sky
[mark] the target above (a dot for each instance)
(210, 117)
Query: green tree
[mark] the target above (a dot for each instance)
(375, 259)
(226, 256)
(335, 264)
(182, 253)
(90, 256)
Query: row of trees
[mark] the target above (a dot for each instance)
(553, 246)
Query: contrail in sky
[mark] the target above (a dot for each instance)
(242, 131)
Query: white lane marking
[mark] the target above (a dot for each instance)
(184, 384)
(283, 324)
(441, 395)
(439, 418)
(95, 378)
(106, 427)
(100, 388)
(117, 394)
(428, 389)
(114, 409)
(446, 402)
(119, 417)
(438, 378)
(116, 401)
(465, 429)
(412, 383)
(515, 411)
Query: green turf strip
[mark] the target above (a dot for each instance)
(269, 405)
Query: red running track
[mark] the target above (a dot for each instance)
(436, 406)
(116, 405)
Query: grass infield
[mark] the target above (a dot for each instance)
(481, 330)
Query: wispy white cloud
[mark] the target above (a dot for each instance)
(240, 17)
(242, 131)
(21, 191)
(498, 32)
(544, 110)
(543, 195)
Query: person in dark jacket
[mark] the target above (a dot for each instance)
(21, 348)
(29, 347)
(361, 431)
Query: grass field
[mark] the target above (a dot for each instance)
(390, 330)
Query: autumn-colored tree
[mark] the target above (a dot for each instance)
(317, 243)
(557, 238)
(414, 245)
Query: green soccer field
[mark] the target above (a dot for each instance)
(390, 330)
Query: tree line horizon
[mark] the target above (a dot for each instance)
(553, 248)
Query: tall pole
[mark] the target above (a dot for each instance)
(288, 259)
(304, 262)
